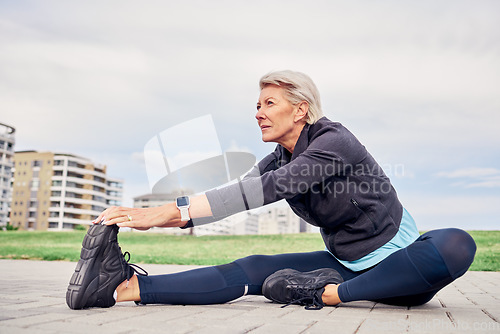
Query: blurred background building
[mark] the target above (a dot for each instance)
(57, 191)
(7, 142)
(266, 220)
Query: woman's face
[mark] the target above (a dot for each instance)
(277, 117)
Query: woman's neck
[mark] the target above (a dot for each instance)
(291, 141)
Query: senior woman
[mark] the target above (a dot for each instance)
(373, 249)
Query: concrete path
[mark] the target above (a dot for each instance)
(33, 301)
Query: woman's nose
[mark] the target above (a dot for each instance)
(259, 114)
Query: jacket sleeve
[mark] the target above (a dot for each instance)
(241, 195)
(324, 157)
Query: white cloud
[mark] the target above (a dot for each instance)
(471, 172)
(490, 182)
(138, 157)
(473, 177)
(468, 212)
(415, 81)
(234, 147)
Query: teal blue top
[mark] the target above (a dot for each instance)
(406, 235)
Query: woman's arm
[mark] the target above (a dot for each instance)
(163, 216)
(168, 215)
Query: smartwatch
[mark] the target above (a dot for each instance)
(182, 203)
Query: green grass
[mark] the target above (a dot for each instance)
(488, 250)
(166, 249)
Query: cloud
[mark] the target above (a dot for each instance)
(468, 212)
(473, 177)
(138, 157)
(234, 147)
(470, 172)
(416, 82)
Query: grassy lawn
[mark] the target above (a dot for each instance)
(166, 249)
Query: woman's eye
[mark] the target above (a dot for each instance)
(258, 107)
(269, 103)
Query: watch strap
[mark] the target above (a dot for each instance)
(184, 214)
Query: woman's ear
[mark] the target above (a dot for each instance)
(301, 113)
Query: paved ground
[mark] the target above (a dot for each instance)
(33, 301)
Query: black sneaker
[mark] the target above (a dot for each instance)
(101, 268)
(289, 286)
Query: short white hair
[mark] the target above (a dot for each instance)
(298, 87)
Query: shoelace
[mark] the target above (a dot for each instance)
(305, 297)
(138, 270)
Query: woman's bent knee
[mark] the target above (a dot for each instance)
(457, 249)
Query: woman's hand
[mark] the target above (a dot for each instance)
(140, 218)
(163, 216)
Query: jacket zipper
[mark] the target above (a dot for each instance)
(356, 204)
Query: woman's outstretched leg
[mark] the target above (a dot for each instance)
(220, 284)
(413, 275)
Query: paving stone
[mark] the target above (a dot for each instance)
(229, 328)
(36, 304)
(81, 328)
(29, 321)
(304, 317)
(277, 327)
(381, 323)
(338, 326)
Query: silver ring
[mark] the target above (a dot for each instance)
(129, 218)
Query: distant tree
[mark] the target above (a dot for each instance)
(10, 227)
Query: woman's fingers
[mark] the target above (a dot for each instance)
(139, 218)
(108, 213)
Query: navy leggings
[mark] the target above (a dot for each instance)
(410, 276)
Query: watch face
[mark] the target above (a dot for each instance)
(182, 201)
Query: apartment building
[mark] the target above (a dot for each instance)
(7, 141)
(266, 220)
(154, 200)
(278, 220)
(57, 191)
(237, 224)
(241, 223)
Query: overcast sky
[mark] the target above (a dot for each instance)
(418, 82)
